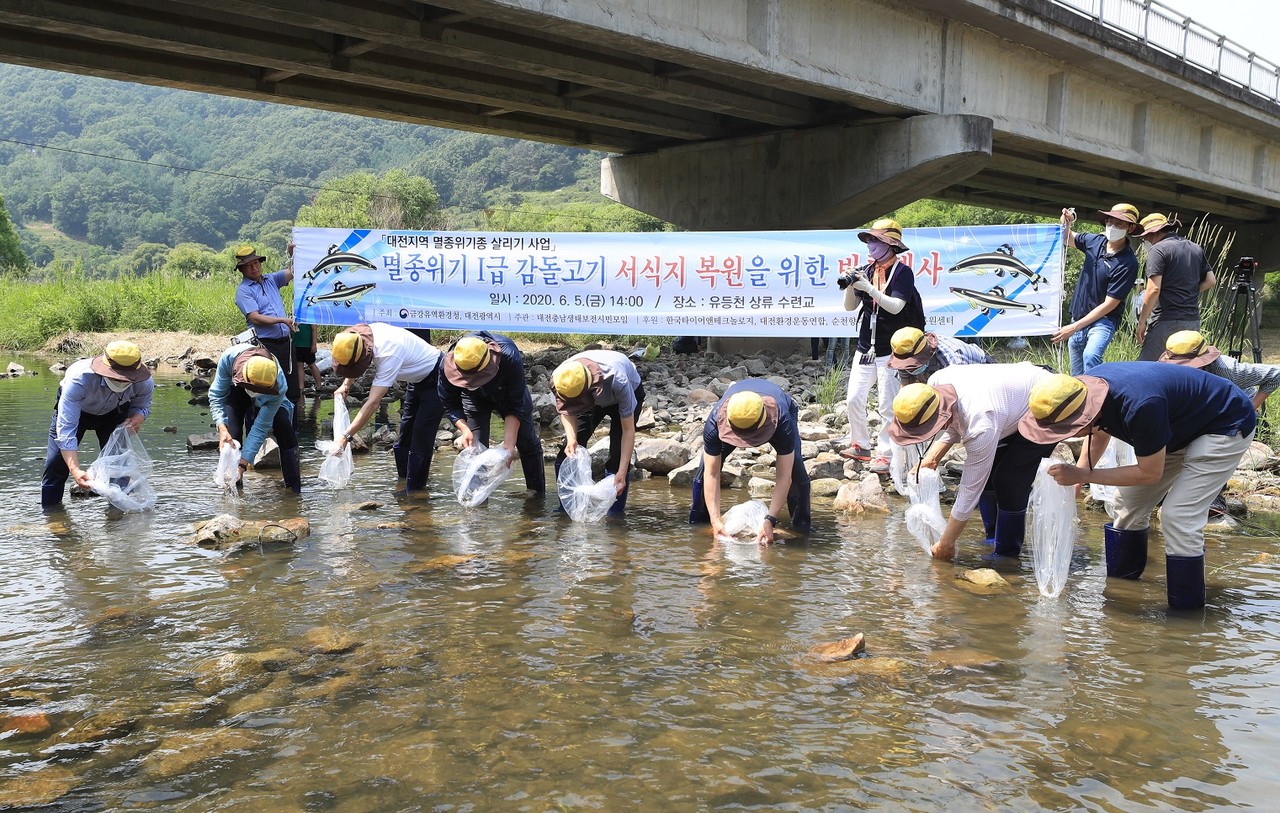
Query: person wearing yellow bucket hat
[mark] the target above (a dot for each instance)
(100, 393)
(918, 355)
(1177, 272)
(248, 389)
(1190, 348)
(1109, 270)
(884, 292)
(1188, 430)
(753, 412)
(589, 387)
(979, 406)
(483, 375)
(395, 355)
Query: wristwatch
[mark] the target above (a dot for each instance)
(772, 520)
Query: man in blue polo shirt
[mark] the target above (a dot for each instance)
(258, 298)
(1109, 270)
(484, 374)
(753, 412)
(1188, 429)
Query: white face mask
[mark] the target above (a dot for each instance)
(117, 386)
(1115, 232)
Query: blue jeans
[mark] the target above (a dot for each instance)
(1087, 346)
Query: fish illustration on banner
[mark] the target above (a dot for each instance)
(776, 284)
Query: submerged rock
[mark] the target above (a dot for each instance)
(982, 581)
(329, 640)
(841, 650)
(37, 789)
(225, 532)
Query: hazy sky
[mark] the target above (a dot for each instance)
(1255, 24)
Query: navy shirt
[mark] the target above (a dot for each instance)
(901, 285)
(785, 439)
(505, 393)
(1154, 406)
(1102, 275)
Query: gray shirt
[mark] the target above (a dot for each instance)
(1181, 265)
(619, 377)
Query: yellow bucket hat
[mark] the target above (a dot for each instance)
(1060, 406)
(570, 379)
(919, 411)
(122, 361)
(886, 230)
(1191, 348)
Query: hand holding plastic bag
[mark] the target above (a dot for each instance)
(336, 469)
(745, 519)
(924, 518)
(478, 471)
(1052, 526)
(122, 473)
(584, 499)
(1117, 454)
(227, 474)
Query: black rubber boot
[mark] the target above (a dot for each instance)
(619, 506)
(987, 508)
(416, 466)
(698, 513)
(1186, 582)
(291, 470)
(1011, 529)
(1126, 551)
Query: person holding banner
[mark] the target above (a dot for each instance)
(248, 389)
(979, 406)
(1109, 271)
(589, 387)
(396, 355)
(258, 297)
(753, 412)
(918, 355)
(885, 291)
(484, 374)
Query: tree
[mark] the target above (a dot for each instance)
(195, 261)
(396, 200)
(11, 255)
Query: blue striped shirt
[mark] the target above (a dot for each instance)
(83, 390)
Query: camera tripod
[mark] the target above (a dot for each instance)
(1239, 320)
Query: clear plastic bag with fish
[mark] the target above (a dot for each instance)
(478, 471)
(336, 470)
(122, 473)
(1051, 523)
(745, 519)
(924, 518)
(901, 461)
(227, 475)
(1117, 454)
(584, 499)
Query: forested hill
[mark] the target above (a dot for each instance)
(117, 204)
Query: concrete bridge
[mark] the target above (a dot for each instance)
(734, 114)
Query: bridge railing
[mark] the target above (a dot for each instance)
(1161, 27)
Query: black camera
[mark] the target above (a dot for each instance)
(1244, 270)
(845, 280)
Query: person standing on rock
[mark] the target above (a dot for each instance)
(484, 374)
(258, 297)
(396, 355)
(100, 393)
(248, 389)
(1177, 272)
(751, 413)
(979, 406)
(918, 355)
(1109, 270)
(885, 291)
(589, 387)
(1188, 429)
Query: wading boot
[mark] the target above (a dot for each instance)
(1011, 529)
(1126, 552)
(987, 508)
(1186, 582)
(619, 506)
(415, 472)
(290, 469)
(698, 513)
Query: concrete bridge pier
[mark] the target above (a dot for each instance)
(838, 177)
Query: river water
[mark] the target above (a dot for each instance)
(423, 656)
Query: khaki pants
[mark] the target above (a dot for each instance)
(1192, 478)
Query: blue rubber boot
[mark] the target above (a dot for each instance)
(1011, 529)
(987, 507)
(619, 506)
(290, 469)
(1126, 552)
(1186, 582)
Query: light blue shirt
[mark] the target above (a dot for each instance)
(267, 404)
(83, 390)
(619, 376)
(264, 297)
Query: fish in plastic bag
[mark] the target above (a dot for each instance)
(901, 461)
(1117, 454)
(336, 469)
(1052, 527)
(478, 471)
(745, 519)
(227, 475)
(584, 499)
(924, 518)
(122, 473)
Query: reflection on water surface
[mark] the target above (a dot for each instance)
(424, 656)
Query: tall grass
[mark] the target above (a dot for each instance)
(36, 311)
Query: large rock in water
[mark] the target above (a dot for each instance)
(268, 455)
(15, 369)
(227, 533)
(202, 443)
(865, 495)
(660, 456)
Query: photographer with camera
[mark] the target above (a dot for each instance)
(885, 292)
(1177, 272)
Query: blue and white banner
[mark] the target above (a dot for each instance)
(974, 280)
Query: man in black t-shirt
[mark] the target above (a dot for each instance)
(1176, 274)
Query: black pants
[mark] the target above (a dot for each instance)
(241, 414)
(282, 349)
(53, 481)
(479, 411)
(1013, 471)
(585, 426)
(420, 415)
